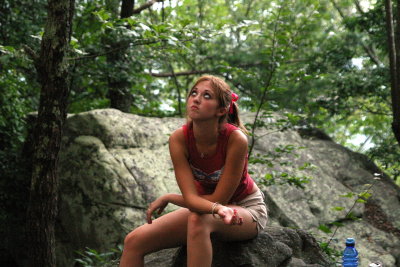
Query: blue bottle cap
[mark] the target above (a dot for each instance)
(350, 241)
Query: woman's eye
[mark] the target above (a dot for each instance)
(193, 93)
(207, 96)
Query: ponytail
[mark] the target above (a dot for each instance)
(233, 118)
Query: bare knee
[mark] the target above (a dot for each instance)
(133, 241)
(197, 226)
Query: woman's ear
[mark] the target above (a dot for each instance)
(222, 111)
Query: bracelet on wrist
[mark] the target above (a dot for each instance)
(215, 204)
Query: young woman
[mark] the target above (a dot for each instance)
(209, 155)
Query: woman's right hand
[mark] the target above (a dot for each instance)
(159, 204)
(229, 215)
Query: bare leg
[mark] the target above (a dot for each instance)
(200, 226)
(166, 231)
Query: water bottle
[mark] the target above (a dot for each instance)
(350, 254)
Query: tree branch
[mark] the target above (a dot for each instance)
(358, 6)
(195, 72)
(178, 88)
(31, 53)
(182, 73)
(272, 69)
(248, 8)
(368, 49)
(145, 6)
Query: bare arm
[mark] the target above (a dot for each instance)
(184, 176)
(233, 169)
(230, 178)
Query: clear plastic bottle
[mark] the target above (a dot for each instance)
(350, 254)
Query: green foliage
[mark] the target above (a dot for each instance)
(301, 55)
(279, 157)
(361, 197)
(332, 253)
(92, 258)
(17, 98)
(282, 155)
(324, 228)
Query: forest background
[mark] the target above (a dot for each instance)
(327, 64)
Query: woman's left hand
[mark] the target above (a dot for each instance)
(158, 204)
(229, 215)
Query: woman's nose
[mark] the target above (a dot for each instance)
(197, 98)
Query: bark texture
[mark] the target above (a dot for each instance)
(127, 8)
(393, 36)
(52, 69)
(119, 85)
(396, 90)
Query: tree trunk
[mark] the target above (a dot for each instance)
(127, 8)
(396, 91)
(394, 59)
(119, 91)
(53, 76)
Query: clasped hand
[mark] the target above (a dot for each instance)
(226, 214)
(229, 215)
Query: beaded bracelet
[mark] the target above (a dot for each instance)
(213, 209)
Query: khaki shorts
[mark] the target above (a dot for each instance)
(255, 204)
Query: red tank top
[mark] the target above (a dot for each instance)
(207, 170)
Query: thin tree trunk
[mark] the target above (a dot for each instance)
(396, 91)
(178, 89)
(394, 61)
(119, 91)
(53, 75)
(127, 8)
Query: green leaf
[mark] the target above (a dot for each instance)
(269, 176)
(7, 49)
(351, 216)
(338, 208)
(365, 195)
(324, 228)
(338, 224)
(348, 195)
(102, 14)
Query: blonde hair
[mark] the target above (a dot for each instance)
(223, 93)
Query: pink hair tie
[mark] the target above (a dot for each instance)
(235, 98)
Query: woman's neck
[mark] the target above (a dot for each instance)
(206, 132)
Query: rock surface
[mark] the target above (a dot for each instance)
(112, 164)
(275, 247)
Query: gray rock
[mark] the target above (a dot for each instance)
(113, 164)
(273, 247)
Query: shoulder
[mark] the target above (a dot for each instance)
(237, 147)
(177, 136)
(177, 144)
(237, 139)
(234, 133)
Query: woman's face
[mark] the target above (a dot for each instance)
(202, 102)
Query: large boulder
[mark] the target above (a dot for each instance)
(113, 164)
(274, 247)
(337, 171)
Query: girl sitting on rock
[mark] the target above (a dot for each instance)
(209, 155)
